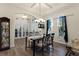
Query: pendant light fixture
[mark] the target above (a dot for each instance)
(40, 19)
(40, 16)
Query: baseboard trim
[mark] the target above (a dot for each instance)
(60, 42)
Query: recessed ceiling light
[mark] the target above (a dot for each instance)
(24, 16)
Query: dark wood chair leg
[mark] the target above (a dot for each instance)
(73, 53)
(67, 53)
(42, 51)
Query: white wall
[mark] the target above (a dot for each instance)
(72, 22)
(10, 11)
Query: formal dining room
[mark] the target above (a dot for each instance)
(39, 29)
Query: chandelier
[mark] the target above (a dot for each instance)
(40, 19)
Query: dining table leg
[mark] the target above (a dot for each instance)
(33, 47)
(26, 44)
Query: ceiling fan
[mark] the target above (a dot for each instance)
(40, 3)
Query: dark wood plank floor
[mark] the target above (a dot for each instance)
(19, 50)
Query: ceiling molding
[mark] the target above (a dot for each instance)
(53, 8)
(58, 11)
(26, 11)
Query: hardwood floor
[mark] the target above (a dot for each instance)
(19, 50)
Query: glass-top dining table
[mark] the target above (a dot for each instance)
(34, 38)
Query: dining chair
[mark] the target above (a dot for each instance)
(43, 45)
(72, 48)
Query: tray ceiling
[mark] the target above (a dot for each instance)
(46, 8)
